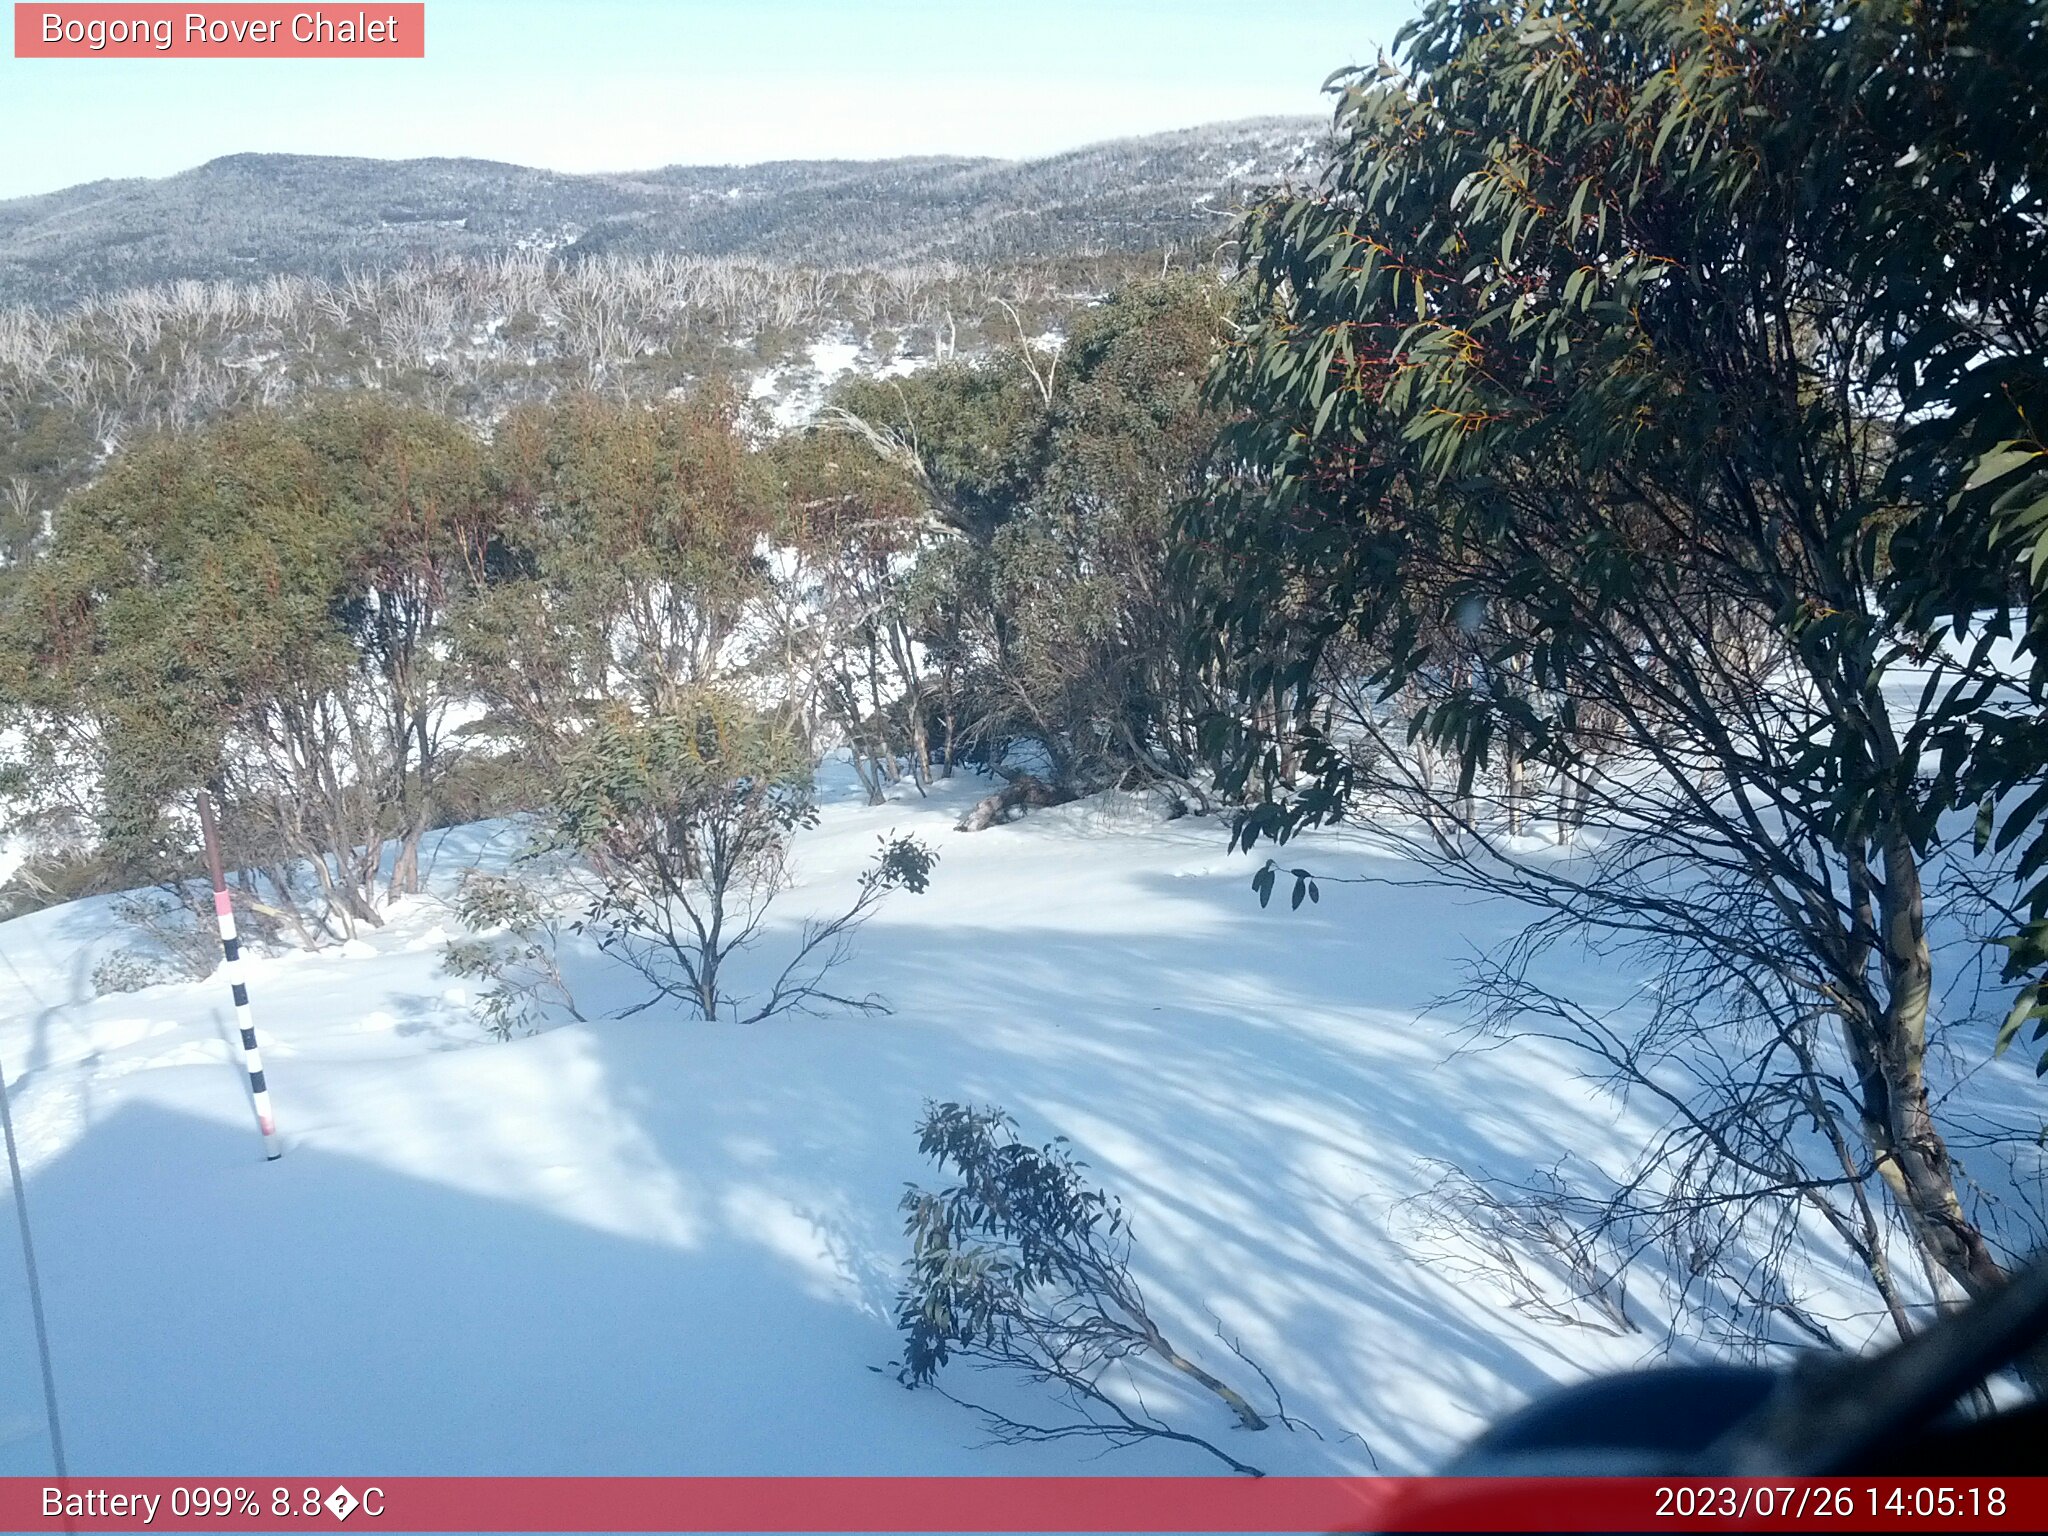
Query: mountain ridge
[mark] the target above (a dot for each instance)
(251, 214)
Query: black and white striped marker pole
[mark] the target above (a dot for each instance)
(231, 950)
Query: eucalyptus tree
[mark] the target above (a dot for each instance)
(1569, 410)
(1049, 478)
(260, 607)
(628, 565)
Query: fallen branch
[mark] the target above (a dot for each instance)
(1024, 791)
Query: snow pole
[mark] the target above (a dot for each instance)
(231, 950)
(35, 1287)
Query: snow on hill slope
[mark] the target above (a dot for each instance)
(659, 1246)
(254, 215)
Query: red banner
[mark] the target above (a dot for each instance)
(1060, 1504)
(120, 31)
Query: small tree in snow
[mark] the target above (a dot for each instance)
(514, 945)
(1024, 1266)
(685, 819)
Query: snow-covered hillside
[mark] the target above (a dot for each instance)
(658, 1246)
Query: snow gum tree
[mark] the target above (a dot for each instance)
(258, 607)
(629, 559)
(685, 818)
(411, 485)
(1569, 415)
(865, 626)
(1042, 584)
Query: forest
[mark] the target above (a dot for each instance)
(1613, 481)
(251, 216)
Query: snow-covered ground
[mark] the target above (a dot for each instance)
(654, 1245)
(792, 395)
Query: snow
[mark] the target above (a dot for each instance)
(793, 395)
(652, 1245)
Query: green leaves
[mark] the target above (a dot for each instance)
(2031, 1005)
(1304, 885)
(1732, 329)
(1007, 1246)
(902, 863)
(214, 592)
(2002, 461)
(2017, 471)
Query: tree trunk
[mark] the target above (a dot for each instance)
(870, 776)
(405, 868)
(1246, 1414)
(1912, 1156)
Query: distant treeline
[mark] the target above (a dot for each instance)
(470, 338)
(253, 216)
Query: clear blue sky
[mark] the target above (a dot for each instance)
(584, 85)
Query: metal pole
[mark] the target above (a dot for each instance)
(35, 1285)
(231, 949)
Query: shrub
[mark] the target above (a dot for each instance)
(1022, 1265)
(684, 818)
(514, 946)
(129, 970)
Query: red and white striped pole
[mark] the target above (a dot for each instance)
(231, 950)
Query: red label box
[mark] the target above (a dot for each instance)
(236, 31)
(1022, 1504)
